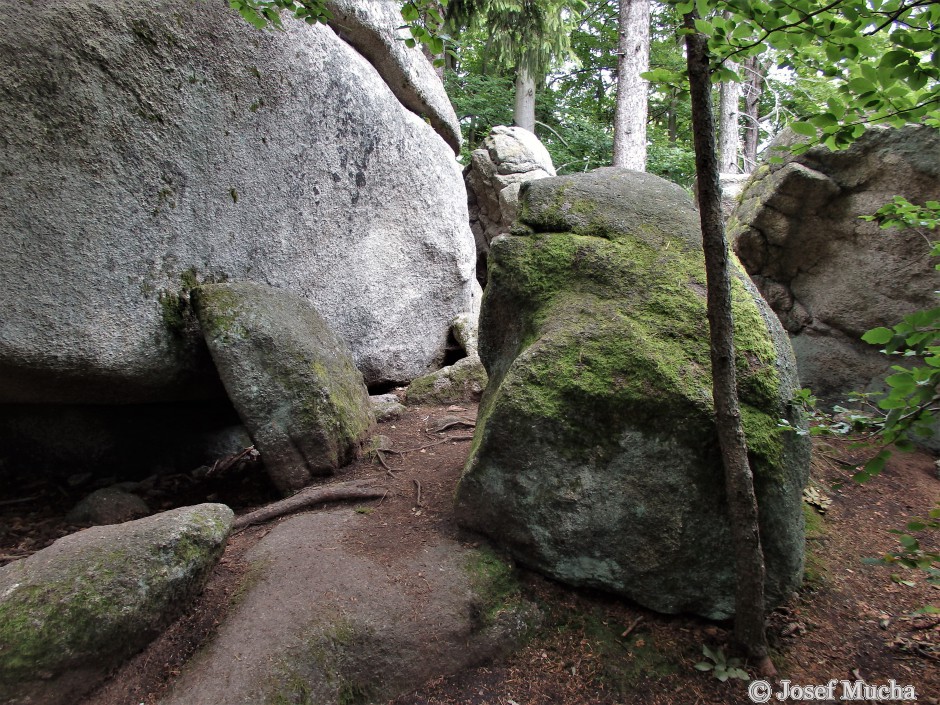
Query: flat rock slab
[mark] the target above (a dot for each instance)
(323, 618)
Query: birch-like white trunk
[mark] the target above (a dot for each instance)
(524, 110)
(630, 118)
(729, 139)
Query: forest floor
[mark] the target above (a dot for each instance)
(850, 621)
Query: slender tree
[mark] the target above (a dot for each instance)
(753, 86)
(729, 139)
(739, 480)
(633, 62)
(527, 35)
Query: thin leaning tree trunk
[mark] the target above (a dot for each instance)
(634, 59)
(739, 481)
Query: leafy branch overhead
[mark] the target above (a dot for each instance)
(883, 58)
(423, 18)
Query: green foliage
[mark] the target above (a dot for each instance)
(881, 57)
(264, 13)
(520, 34)
(912, 555)
(721, 666)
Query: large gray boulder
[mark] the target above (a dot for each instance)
(596, 458)
(151, 147)
(291, 379)
(73, 611)
(828, 274)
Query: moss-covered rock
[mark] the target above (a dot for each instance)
(291, 379)
(465, 380)
(73, 611)
(596, 457)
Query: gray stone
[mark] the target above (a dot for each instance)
(73, 611)
(465, 380)
(509, 157)
(596, 457)
(151, 147)
(386, 407)
(365, 25)
(291, 379)
(829, 275)
(323, 621)
(109, 505)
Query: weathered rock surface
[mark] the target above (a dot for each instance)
(73, 611)
(324, 622)
(386, 407)
(150, 147)
(291, 379)
(595, 458)
(365, 25)
(465, 380)
(829, 275)
(509, 157)
(109, 505)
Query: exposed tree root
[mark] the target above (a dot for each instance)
(338, 492)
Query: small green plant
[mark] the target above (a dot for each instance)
(720, 666)
(912, 556)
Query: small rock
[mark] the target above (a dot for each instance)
(465, 380)
(386, 407)
(109, 505)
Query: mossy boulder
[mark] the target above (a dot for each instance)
(596, 458)
(291, 379)
(465, 380)
(73, 611)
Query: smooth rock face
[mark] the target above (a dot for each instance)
(829, 275)
(325, 622)
(510, 156)
(73, 611)
(365, 25)
(291, 379)
(595, 458)
(150, 147)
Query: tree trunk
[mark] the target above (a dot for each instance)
(729, 140)
(524, 110)
(739, 482)
(634, 53)
(753, 87)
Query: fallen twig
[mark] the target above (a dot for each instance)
(19, 500)
(633, 626)
(388, 470)
(223, 465)
(355, 489)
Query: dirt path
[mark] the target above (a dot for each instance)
(851, 620)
